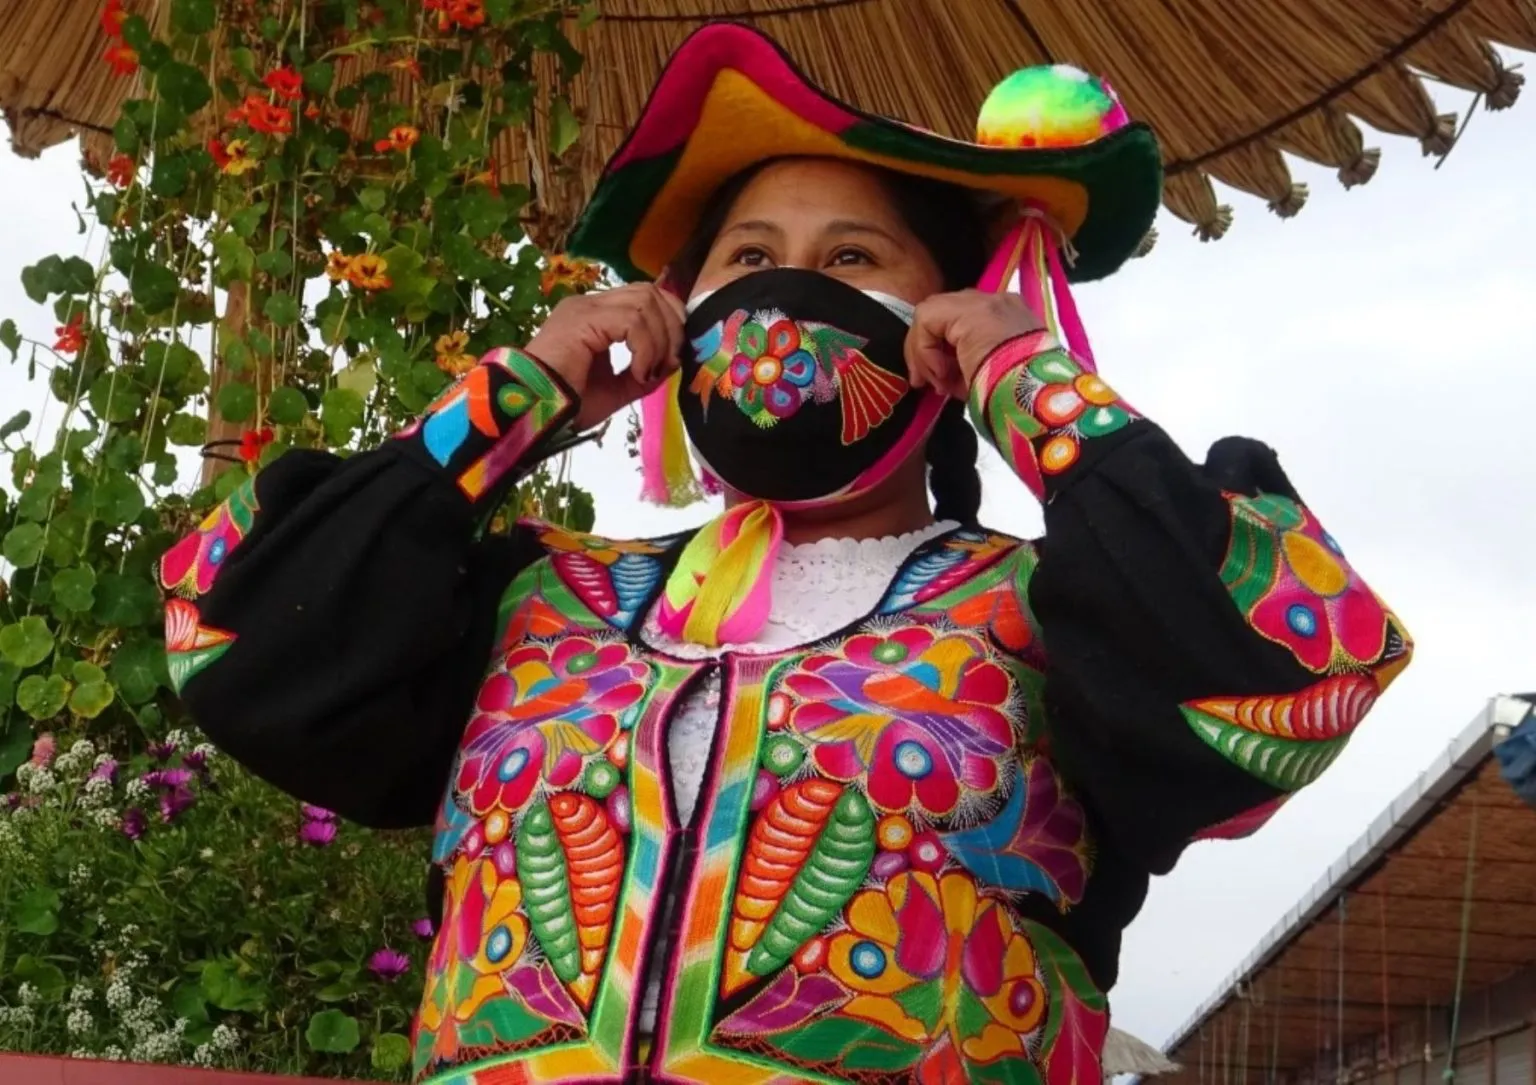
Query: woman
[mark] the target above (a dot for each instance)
(842, 786)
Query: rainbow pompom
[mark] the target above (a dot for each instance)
(1049, 106)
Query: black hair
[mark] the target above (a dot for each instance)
(948, 221)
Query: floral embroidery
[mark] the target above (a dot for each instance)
(1038, 405)
(770, 366)
(188, 571)
(544, 712)
(607, 577)
(1291, 581)
(925, 715)
(486, 425)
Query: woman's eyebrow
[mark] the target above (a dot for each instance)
(759, 226)
(859, 226)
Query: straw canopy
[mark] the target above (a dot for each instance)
(1228, 86)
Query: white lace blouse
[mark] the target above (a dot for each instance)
(818, 588)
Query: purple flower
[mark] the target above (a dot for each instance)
(423, 928)
(134, 824)
(197, 762)
(10, 801)
(162, 751)
(107, 770)
(389, 964)
(175, 802)
(316, 813)
(168, 779)
(318, 833)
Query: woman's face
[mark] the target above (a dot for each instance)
(821, 215)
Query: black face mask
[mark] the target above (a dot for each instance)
(795, 388)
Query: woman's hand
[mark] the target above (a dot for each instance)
(576, 338)
(952, 334)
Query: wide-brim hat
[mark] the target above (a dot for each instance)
(729, 98)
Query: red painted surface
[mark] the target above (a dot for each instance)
(49, 1070)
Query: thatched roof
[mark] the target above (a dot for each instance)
(1125, 1054)
(1228, 85)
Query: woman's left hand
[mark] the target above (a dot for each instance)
(952, 334)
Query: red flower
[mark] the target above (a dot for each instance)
(112, 18)
(220, 155)
(71, 335)
(285, 83)
(401, 138)
(262, 116)
(464, 14)
(312, 111)
(121, 59)
(121, 170)
(409, 65)
(252, 441)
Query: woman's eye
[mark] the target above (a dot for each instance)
(750, 258)
(850, 258)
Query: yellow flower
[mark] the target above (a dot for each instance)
(452, 357)
(569, 271)
(238, 153)
(369, 272)
(338, 266)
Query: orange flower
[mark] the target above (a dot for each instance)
(338, 266)
(452, 357)
(252, 441)
(312, 111)
(71, 335)
(490, 177)
(237, 158)
(261, 115)
(409, 65)
(285, 83)
(217, 150)
(369, 272)
(122, 170)
(121, 59)
(464, 14)
(569, 271)
(112, 18)
(401, 138)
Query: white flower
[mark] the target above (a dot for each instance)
(119, 994)
(80, 1053)
(29, 995)
(205, 749)
(255, 892)
(202, 1055)
(205, 854)
(101, 759)
(106, 819)
(113, 1053)
(24, 773)
(20, 1016)
(80, 1020)
(96, 793)
(40, 781)
(128, 931)
(83, 749)
(79, 994)
(335, 915)
(137, 789)
(79, 876)
(224, 1038)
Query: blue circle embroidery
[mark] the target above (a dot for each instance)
(1302, 619)
(217, 550)
(800, 369)
(912, 761)
(512, 765)
(498, 945)
(867, 959)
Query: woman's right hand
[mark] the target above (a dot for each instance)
(575, 342)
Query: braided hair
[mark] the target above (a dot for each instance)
(948, 221)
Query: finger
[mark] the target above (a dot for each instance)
(673, 315)
(930, 357)
(649, 328)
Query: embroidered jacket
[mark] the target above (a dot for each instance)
(918, 841)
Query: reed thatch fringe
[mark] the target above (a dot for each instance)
(1230, 87)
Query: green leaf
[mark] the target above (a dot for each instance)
(391, 1052)
(47, 978)
(245, 221)
(66, 534)
(23, 544)
(194, 16)
(187, 430)
(564, 127)
(87, 672)
(118, 499)
(123, 600)
(341, 412)
(318, 78)
(287, 406)
(114, 399)
(125, 136)
(187, 1001)
(282, 310)
(170, 175)
(332, 1032)
(26, 643)
(222, 986)
(136, 33)
(154, 288)
(236, 401)
(373, 198)
(91, 699)
(339, 991)
(482, 212)
(75, 588)
(276, 263)
(236, 261)
(183, 85)
(138, 670)
(42, 698)
(359, 377)
(18, 421)
(16, 738)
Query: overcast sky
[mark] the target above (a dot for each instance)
(1384, 341)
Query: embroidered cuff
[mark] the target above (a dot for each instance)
(1037, 405)
(493, 424)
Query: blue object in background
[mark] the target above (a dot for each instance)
(1517, 755)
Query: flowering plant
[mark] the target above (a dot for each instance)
(298, 235)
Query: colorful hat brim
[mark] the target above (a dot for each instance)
(730, 98)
